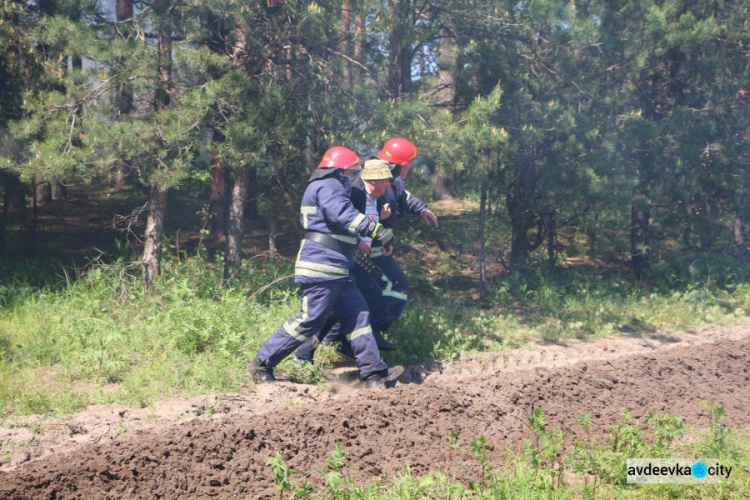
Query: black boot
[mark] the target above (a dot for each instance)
(260, 372)
(383, 344)
(380, 379)
(306, 352)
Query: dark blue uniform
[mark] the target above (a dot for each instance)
(327, 286)
(396, 286)
(370, 288)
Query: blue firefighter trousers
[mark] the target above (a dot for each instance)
(319, 300)
(396, 287)
(332, 331)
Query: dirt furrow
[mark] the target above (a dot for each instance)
(381, 432)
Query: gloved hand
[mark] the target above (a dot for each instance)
(429, 217)
(382, 233)
(364, 248)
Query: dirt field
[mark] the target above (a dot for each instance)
(218, 446)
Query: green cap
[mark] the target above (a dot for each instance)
(376, 170)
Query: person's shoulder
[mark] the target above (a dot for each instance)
(331, 183)
(326, 188)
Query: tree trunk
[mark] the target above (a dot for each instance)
(707, 229)
(359, 51)
(687, 225)
(483, 288)
(238, 194)
(124, 92)
(446, 83)
(272, 250)
(157, 202)
(34, 240)
(43, 193)
(218, 207)
(163, 90)
(346, 41)
(4, 216)
(124, 12)
(640, 228)
(233, 258)
(59, 191)
(738, 229)
(399, 51)
(550, 229)
(520, 226)
(157, 205)
(251, 206)
(518, 201)
(15, 196)
(738, 222)
(442, 185)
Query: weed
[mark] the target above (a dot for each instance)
(666, 429)
(717, 442)
(282, 476)
(122, 428)
(479, 447)
(593, 471)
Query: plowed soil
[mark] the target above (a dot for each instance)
(219, 446)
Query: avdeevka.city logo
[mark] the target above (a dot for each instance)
(676, 470)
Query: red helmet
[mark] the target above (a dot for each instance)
(339, 157)
(398, 151)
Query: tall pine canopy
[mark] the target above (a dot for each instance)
(622, 127)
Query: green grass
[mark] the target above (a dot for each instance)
(100, 338)
(97, 337)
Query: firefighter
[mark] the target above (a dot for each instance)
(399, 153)
(324, 260)
(366, 196)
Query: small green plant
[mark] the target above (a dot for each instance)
(336, 462)
(478, 446)
(282, 476)
(716, 444)
(452, 446)
(122, 428)
(627, 438)
(666, 429)
(335, 481)
(548, 446)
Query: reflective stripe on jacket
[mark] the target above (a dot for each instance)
(326, 208)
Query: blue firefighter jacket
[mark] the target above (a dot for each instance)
(326, 208)
(401, 201)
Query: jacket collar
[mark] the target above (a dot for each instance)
(323, 173)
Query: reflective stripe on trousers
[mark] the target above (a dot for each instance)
(318, 301)
(396, 288)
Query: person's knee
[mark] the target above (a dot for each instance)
(402, 284)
